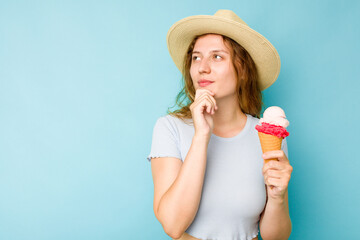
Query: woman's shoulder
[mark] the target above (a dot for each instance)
(174, 123)
(252, 120)
(177, 120)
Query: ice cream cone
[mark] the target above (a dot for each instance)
(269, 143)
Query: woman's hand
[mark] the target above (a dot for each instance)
(202, 109)
(277, 174)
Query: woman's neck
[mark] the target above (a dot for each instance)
(229, 117)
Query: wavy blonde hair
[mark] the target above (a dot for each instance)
(248, 91)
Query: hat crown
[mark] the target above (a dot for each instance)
(230, 15)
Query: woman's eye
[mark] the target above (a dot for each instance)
(195, 58)
(217, 56)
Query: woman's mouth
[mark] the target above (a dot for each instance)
(204, 83)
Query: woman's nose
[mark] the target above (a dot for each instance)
(204, 67)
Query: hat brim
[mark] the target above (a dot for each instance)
(263, 53)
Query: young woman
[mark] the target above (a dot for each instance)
(210, 180)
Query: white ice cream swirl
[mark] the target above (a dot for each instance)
(276, 116)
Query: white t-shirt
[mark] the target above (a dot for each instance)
(233, 194)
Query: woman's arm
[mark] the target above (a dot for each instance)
(179, 205)
(275, 222)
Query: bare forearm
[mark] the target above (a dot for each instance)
(276, 222)
(179, 205)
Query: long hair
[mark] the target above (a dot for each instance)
(248, 91)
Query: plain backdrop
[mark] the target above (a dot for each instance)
(82, 84)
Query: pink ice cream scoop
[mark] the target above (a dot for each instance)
(274, 122)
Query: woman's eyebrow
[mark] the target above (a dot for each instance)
(224, 51)
(214, 51)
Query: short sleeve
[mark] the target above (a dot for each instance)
(165, 141)
(284, 147)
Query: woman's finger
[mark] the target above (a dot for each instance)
(279, 154)
(207, 104)
(272, 165)
(208, 93)
(273, 174)
(207, 98)
(200, 92)
(213, 103)
(274, 182)
(211, 98)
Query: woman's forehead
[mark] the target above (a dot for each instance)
(210, 42)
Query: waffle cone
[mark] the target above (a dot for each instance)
(269, 143)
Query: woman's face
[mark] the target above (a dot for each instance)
(211, 61)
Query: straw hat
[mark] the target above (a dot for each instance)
(227, 23)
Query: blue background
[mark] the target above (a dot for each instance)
(83, 82)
